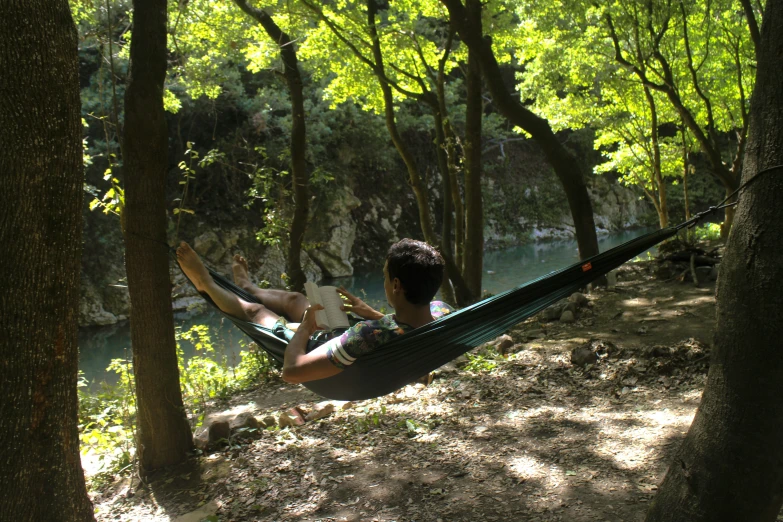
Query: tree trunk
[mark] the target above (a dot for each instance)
(41, 232)
(450, 151)
(164, 436)
(729, 467)
(658, 184)
(474, 210)
(565, 165)
(728, 220)
(293, 79)
(446, 245)
(417, 184)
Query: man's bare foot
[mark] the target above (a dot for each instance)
(241, 274)
(192, 266)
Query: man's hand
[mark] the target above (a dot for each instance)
(308, 321)
(357, 306)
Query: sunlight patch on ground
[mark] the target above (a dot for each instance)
(637, 302)
(526, 467)
(696, 301)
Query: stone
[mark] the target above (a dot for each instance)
(570, 307)
(334, 233)
(579, 299)
(567, 317)
(91, 310)
(268, 421)
(291, 418)
(208, 246)
(504, 343)
(273, 265)
(554, 312)
(714, 272)
(116, 299)
(190, 304)
(322, 409)
(244, 420)
(582, 356)
(534, 334)
(208, 435)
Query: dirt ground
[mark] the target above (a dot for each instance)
(535, 438)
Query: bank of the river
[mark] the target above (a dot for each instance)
(504, 269)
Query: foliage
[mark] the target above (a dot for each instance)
(484, 361)
(707, 232)
(636, 72)
(107, 415)
(107, 419)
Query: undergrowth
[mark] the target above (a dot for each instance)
(107, 415)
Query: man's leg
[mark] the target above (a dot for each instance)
(291, 305)
(231, 304)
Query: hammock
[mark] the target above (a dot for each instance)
(410, 356)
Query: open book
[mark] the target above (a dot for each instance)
(331, 316)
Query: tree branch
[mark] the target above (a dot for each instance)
(753, 26)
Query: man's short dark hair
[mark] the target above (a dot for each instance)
(418, 266)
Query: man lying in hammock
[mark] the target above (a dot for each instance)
(412, 275)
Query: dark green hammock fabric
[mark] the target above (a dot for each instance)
(410, 356)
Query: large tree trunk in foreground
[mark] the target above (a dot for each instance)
(41, 232)
(296, 276)
(164, 436)
(730, 466)
(565, 165)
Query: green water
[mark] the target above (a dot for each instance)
(503, 269)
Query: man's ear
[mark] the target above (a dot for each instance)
(396, 285)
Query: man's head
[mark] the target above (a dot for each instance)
(418, 267)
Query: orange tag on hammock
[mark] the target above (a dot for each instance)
(586, 267)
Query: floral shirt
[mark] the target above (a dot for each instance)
(367, 336)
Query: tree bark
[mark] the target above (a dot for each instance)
(474, 209)
(446, 245)
(659, 191)
(565, 165)
(293, 79)
(164, 437)
(417, 184)
(41, 232)
(730, 466)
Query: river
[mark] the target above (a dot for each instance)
(503, 269)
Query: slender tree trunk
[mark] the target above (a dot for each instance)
(660, 188)
(299, 173)
(730, 466)
(565, 165)
(728, 219)
(474, 210)
(417, 184)
(685, 168)
(446, 245)
(450, 150)
(456, 196)
(41, 232)
(164, 436)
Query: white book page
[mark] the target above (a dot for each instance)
(333, 303)
(314, 296)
